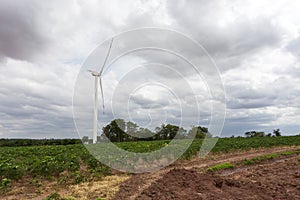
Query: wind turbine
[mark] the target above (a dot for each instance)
(98, 78)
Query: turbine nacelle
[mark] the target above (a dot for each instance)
(94, 73)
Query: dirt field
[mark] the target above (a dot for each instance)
(273, 179)
(277, 178)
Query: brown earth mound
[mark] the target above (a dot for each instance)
(185, 184)
(273, 180)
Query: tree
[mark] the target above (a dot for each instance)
(173, 130)
(199, 132)
(166, 132)
(99, 138)
(144, 134)
(115, 130)
(157, 136)
(259, 134)
(118, 131)
(131, 130)
(85, 139)
(250, 133)
(182, 133)
(120, 125)
(107, 132)
(277, 132)
(162, 132)
(255, 134)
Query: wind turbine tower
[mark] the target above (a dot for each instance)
(98, 78)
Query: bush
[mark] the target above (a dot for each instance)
(226, 165)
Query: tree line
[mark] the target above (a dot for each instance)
(276, 133)
(120, 131)
(37, 142)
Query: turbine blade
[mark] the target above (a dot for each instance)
(107, 56)
(102, 95)
(92, 71)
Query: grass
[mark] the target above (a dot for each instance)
(223, 145)
(252, 161)
(74, 163)
(262, 158)
(225, 165)
(66, 164)
(286, 153)
(53, 196)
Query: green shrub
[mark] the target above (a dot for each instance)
(226, 165)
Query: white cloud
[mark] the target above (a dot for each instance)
(43, 45)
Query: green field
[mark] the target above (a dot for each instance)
(70, 163)
(73, 163)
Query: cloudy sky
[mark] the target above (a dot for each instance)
(45, 48)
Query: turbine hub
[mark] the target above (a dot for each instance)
(95, 74)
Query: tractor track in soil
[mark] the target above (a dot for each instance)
(139, 185)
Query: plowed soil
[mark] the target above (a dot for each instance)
(278, 178)
(273, 179)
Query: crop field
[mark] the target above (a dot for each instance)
(66, 165)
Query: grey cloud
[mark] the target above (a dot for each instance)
(241, 120)
(294, 47)
(230, 46)
(248, 104)
(20, 34)
(26, 116)
(36, 101)
(254, 118)
(240, 36)
(147, 103)
(278, 93)
(62, 127)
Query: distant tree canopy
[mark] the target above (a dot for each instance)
(276, 133)
(37, 142)
(115, 131)
(166, 132)
(119, 131)
(199, 132)
(254, 134)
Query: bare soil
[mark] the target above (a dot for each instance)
(104, 187)
(185, 179)
(273, 179)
